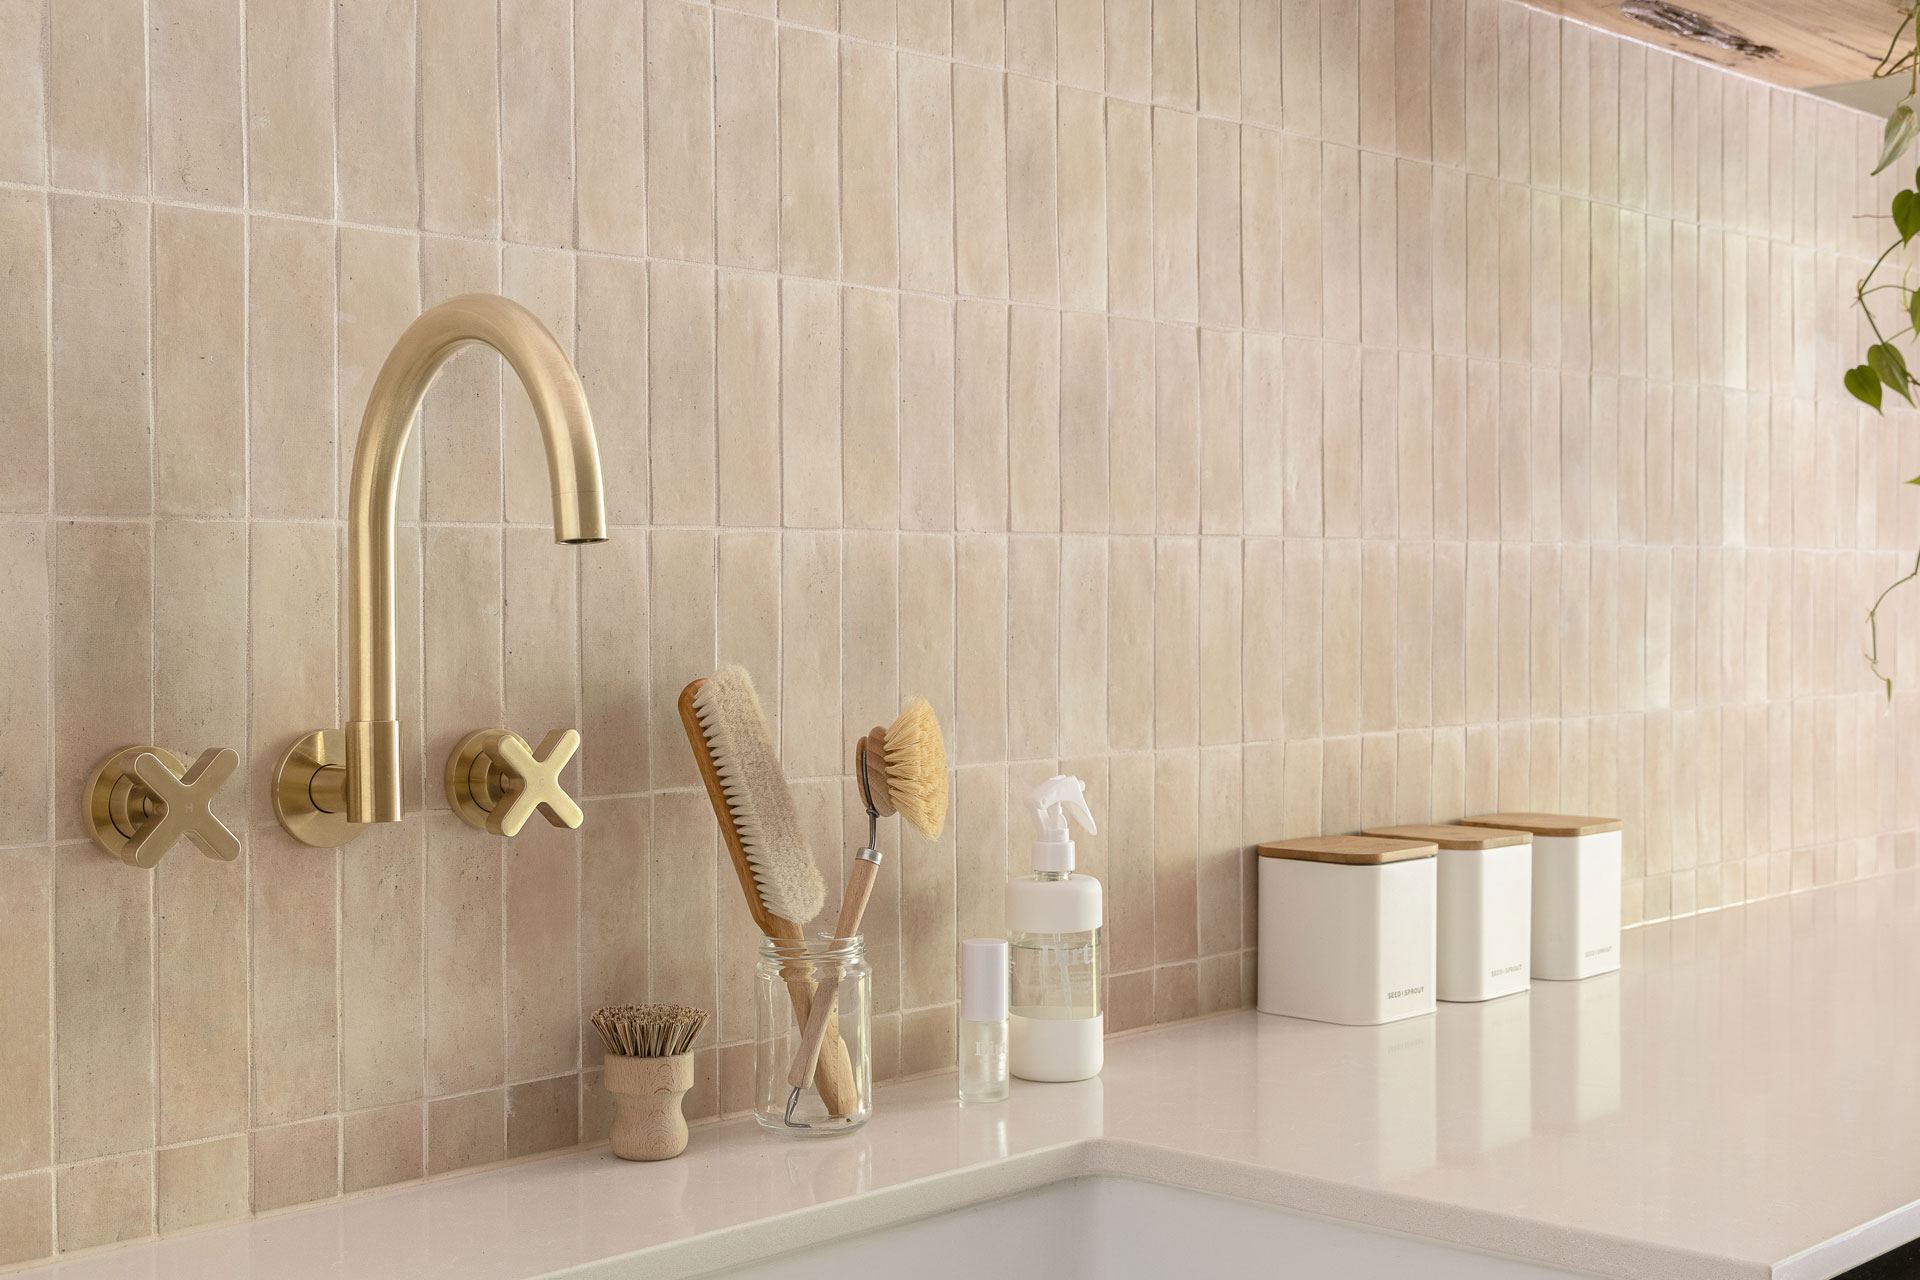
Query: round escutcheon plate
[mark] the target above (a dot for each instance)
(293, 801)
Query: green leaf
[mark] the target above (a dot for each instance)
(1913, 310)
(1906, 214)
(1915, 480)
(1864, 384)
(1891, 368)
(1901, 127)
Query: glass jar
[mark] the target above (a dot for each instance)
(838, 1098)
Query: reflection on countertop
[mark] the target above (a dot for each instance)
(1737, 1101)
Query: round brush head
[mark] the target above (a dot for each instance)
(915, 756)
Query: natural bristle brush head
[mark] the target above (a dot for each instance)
(649, 1030)
(757, 798)
(914, 755)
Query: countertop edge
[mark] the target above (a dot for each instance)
(1844, 1252)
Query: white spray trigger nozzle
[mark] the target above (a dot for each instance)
(1051, 802)
(1057, 797)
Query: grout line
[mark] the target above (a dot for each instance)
(156, 1012)
(55, 1129)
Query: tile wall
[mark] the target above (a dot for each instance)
(1285, 414)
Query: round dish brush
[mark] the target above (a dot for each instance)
(649, 1069)
(901, 769)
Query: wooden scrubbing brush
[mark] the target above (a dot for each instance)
(732, 745)
(649, 1069)
(901, 769)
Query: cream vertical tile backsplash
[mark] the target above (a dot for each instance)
(1286, 414)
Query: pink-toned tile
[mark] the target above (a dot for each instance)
(747, 143)
(381, 1147)
(202, 1183)
(290, 306)
(26, 1128)
(104, 1202)
(98, 399)
(1033, 249)
(871, 407)
(927, 165)
(379, 178)
(680, 131)
(809, 126)
(1130, 183)
(96, 107)
(466, 1131)
(609, 40)
(543, 1115)
(23, 380)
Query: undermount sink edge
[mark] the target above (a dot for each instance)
(1560, 1249)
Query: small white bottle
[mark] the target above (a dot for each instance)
(1053, 923)
(983, 1020)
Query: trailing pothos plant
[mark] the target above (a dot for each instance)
(1885, 368)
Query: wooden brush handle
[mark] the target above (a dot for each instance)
(834, 1076)
(648, 1123)
(852, 907)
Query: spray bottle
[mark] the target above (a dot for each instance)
(1053, 930)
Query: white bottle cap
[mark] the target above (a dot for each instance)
(983, 980)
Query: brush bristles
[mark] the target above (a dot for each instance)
(762, 807)
(649, 1030)
(917, 768)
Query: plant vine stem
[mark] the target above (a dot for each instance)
(1873, 626)
(1861, 290)
(1883, 68)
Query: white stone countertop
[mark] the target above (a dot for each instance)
(1742, 1100)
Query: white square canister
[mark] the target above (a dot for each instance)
(1347, 929)
(1485, 908)
(1576, 891)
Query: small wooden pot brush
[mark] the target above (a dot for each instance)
(901, 769)
(649, 1069)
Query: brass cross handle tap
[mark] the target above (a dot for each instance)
(495, 781)
(141, 801)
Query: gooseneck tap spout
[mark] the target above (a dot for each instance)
(358, 779)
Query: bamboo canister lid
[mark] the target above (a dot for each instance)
(1545, 824)
(1351, 850)
(1454, 837)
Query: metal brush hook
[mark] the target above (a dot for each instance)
(866, 798)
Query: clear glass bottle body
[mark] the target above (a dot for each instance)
(785, 980)
(1055, 975)
(1054, 1010)
(983, 1061)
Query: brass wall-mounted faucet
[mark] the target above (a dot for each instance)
(333, 781)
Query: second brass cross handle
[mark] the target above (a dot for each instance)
(495, 781)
